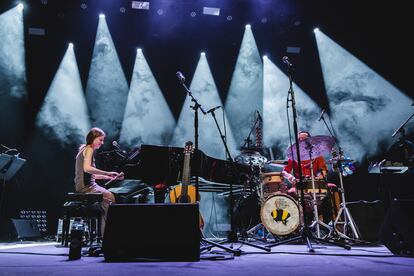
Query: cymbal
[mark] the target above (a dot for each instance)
(336, 160)
(313, 146)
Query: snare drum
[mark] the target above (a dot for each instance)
(280, 214)
(272, 183)
(321, 188)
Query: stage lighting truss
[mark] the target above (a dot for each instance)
(140, 5)
(211, 11)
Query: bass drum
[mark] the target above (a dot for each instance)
(280, 214)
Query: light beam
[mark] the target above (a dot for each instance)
(107, 88)
(64, 116)
(13, 91)
(148, 118)
(205, 91)
(365, 108)
(245, 94)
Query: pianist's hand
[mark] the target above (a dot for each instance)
(120, 176)
(112, 174)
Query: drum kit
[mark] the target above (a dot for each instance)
(280, 213)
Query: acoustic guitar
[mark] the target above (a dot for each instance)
(185, 192)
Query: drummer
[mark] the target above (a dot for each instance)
(320, 169)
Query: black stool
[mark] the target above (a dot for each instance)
(86, 206)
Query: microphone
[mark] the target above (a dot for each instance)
(180, 76)
(213, 109)
(286, 61)
(320, 117)
(116, 145)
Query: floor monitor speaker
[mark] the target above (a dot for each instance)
(152, 232)
(397, 231)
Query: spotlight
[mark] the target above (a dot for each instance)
(84, 6)
(264, 20)
(139, 50)
(264, 57)
(102, 15)
(122, 9)
(203, 53)
(70, 45)
(193, 14)
(315, 30)
(248, 26)
(44, 2)
(297, 23)
(160, 11)
(229, 18)
(20, 6)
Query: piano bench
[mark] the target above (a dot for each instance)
(86, 206)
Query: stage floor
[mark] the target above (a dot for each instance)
(49, 258)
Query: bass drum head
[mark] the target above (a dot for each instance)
(280, 214)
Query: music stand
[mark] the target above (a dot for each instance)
(9, 166)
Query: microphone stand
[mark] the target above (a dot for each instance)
(305, 231)
(401, 128)
(232, 236)
(196, 107)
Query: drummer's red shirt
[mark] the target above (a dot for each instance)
(318, 165)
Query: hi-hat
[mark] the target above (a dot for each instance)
(282, 162)
(313, 146)
(336, 160)
(251, 158)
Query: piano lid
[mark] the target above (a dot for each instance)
(163, 164)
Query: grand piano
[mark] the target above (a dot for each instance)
(156, 165)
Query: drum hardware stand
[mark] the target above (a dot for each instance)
(260, 232)
(196, 107)
(317, 222)
(306, 234)
(343, 210)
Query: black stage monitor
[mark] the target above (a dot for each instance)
(152, 232)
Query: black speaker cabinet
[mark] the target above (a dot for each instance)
(152, 232)
(397, 231)
(22, 229)
(368, 217)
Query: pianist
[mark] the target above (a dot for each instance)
(86, 172)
